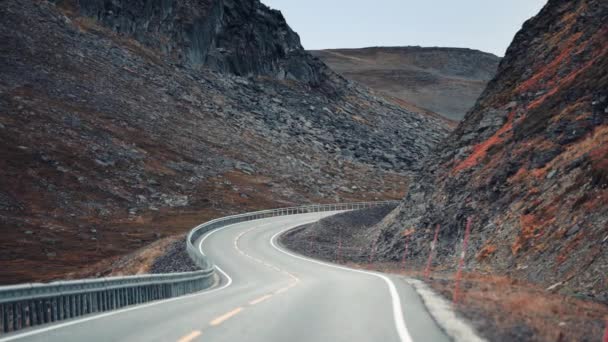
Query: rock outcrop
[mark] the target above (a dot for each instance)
(241, 37)
(446, 81)
(122, 122)
(529, 163)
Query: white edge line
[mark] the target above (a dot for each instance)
(402, 331)
(136, 307)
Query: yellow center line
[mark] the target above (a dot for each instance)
(225, 316)
(191, 336)
(259, 300)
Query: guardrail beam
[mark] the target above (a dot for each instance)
(28, 305)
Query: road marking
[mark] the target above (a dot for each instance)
(237, 239)
(131, 308)
(191, 336)
(259, 300)
(135, 307)
(404, 335)
(226, 316)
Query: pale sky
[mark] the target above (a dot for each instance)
(487, 25)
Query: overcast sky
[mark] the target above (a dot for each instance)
(487, 25)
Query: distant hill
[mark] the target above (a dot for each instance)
(446, 81)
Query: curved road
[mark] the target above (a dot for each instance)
(265, 293)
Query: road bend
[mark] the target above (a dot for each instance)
(264, 293)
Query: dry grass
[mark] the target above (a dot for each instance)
(510, 304)
(480, 150)
(503, 308)
(138, 262)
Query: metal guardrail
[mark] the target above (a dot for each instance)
(198, 231)
(28, 305)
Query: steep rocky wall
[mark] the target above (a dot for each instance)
(107, 143)
(529, 163)
(243, 37)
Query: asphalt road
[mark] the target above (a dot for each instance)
(266, 293)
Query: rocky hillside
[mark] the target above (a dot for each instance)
(446, 81)
(529, 164)
(124, 122)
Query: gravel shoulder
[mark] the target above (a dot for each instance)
(175, 259)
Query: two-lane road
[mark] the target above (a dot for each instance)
(266, 293)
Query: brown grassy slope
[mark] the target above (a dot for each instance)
(446, 81)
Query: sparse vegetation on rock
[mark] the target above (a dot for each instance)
(119, 128)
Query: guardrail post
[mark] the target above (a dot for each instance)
(52, 309)
(44, 307)
(74, 305)
(97, 298)
(82, 302)
(14, 316)
(23, 314)
(39, 312)
(87, 303)
(108, 300)
(62, 307)
(34, 314)
(31, 313)
(77, 305)
(93, 302)
(2, 318)
(68, 306)
(5, 318)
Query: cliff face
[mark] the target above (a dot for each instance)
(529, 163)
(446, 81)
(119, 127)
(243, 37)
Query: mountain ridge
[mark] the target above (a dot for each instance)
(443, 80)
